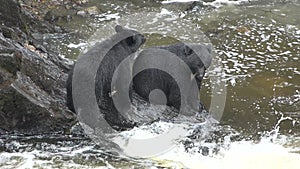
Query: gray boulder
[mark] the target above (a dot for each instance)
(32, 82)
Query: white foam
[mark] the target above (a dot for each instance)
(243, 154)
(147, 141)
(173, 1)
(165, 12)
(269, 153)
(216, 3)
(79, 45)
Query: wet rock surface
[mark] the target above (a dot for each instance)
(32, 79)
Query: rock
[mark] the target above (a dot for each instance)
(81, 2)
(77, 130)
(189, 6)
(194, 5)
(178, 6)
(93, 10)
(90, 11)
(32, 87)
(68, 7)
(81, 13)
(59, 14)
(32, 91)
(9, 14)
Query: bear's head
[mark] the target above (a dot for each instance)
(134, 39)
(198, 58)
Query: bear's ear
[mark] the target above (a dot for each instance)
(187, 50)
(119, 28)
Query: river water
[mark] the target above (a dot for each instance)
(257, 56)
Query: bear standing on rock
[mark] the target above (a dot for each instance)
(115, 55)
(196, 58)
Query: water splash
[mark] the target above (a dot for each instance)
(268, 153)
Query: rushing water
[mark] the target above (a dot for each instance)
(257, 44)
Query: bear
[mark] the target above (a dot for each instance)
(147, 80)
(108, 65)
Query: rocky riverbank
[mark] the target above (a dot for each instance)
(32, 77)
